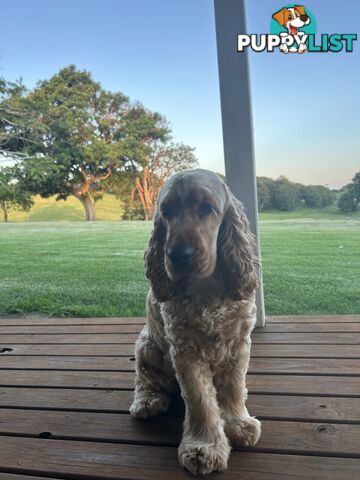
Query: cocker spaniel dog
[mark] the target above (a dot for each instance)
(200, 313)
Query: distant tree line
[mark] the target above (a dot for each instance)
(284, 195)
(69, 136)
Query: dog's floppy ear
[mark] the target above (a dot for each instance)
(300, 9)
(236, 246)
(281, 16)
(155, 262)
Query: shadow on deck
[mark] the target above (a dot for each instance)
(65, 390)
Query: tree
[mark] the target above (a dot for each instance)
(350, 198)
(139, 187)
(15, 123)
(347, 202)
(284, 198)
(163, 161)
(82, 135)
(263, 195)
(327, 196)
(312, 196)
(12, 194)
(14, 119)
(354, 187)
(285, 195)
(122, 186)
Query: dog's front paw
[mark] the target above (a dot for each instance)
(149, 404)
(244, 432)
(201, 458)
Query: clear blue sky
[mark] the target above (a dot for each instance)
(162, 52)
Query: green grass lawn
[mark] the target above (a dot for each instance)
(96, 269)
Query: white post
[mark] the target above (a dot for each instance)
(237, 116)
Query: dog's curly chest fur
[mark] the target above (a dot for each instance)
(211, 332)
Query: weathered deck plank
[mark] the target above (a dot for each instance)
(74, 350)
(304, 351)
(287, 407)
(330, 327)
(257, 350)
(340, 338)
(312, 319)
(12, 320)
(295, 437)
(309, 366)
(43, 320)
(14, 476)
(263, 337)
(257, 383)
(112, 328)
(68, 329)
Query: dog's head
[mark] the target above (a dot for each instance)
(292, 18)
(199, 227)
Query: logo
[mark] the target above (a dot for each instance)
(293, 30)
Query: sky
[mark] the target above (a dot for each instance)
(163, 53)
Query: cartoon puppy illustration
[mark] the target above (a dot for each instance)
(292, 19)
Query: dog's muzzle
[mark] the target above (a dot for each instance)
(181, 257)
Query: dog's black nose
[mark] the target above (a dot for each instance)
(181, 256)
(304, 18)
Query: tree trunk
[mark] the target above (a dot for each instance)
(5, 212)
(89, 207)
(145, 190)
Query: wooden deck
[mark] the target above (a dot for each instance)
(66, 386)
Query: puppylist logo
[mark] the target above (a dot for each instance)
(293, 30)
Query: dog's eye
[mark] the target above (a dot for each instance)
(205, 209)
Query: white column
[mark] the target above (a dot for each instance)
(237, 116)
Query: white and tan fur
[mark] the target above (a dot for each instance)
(199, 321)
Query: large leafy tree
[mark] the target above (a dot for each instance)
(82, 135)
(12, 193)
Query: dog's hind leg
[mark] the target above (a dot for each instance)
(240, 428)
(153, 384)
